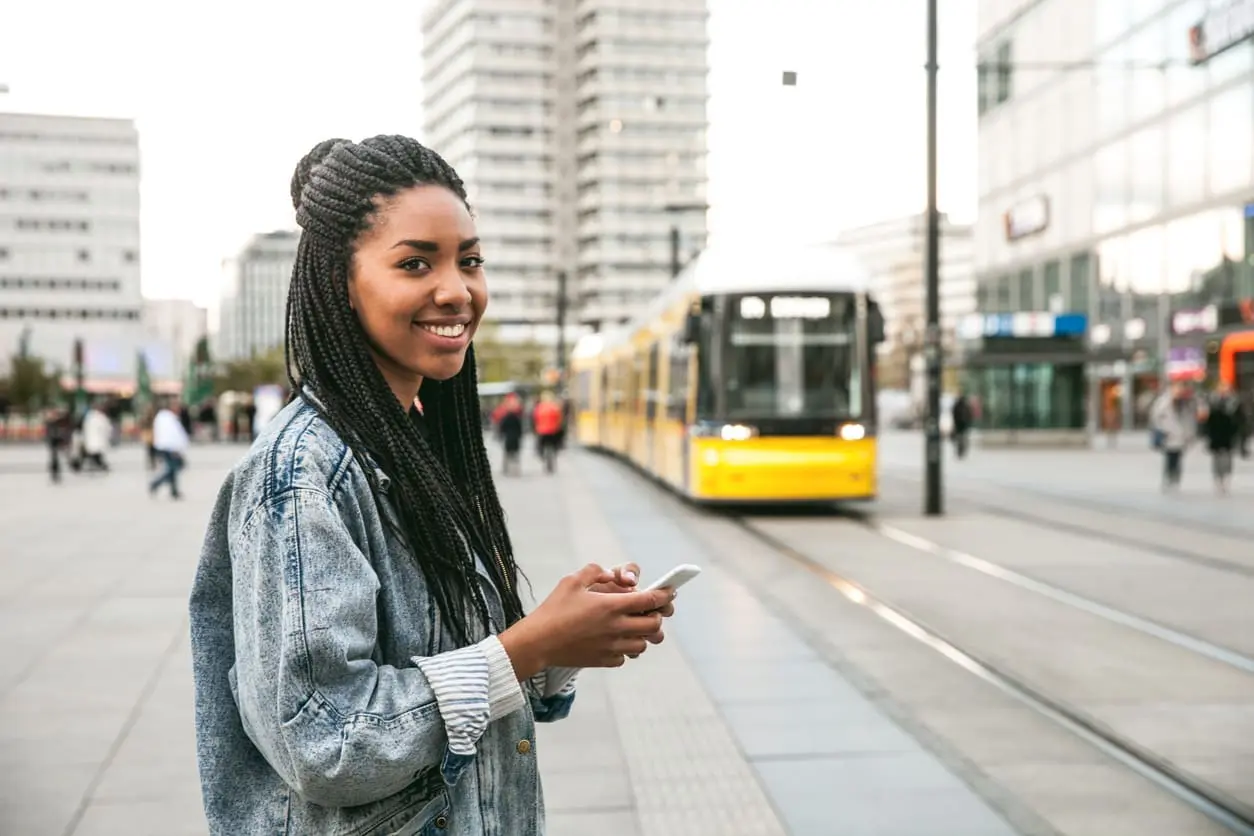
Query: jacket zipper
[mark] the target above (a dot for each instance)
(495, 553)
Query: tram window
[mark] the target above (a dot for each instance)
(705, 366)
(583, 393)
(677, 402)
(794, 367)
(651, 394)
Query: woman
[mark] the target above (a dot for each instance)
(362, 660)
(1173, 421)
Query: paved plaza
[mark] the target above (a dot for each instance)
(776, 706)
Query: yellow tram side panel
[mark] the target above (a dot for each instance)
(587, 414)
(782, 469)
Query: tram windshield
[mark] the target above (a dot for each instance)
(793, 356)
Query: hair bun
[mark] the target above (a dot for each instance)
(305, 168)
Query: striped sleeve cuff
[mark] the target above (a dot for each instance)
(505, 694)
(462, 682)
(553, 682)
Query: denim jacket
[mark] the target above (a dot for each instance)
(330, 699)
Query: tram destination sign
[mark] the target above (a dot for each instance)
(1220, 30)
(785, 307)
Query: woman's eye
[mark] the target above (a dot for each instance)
(414, 264)
(472, 262)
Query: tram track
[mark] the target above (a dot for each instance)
(1216, 804)
(1104, 535)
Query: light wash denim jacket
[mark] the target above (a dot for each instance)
(329, 698)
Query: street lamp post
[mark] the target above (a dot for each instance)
(562, 302)
(673, 209)
(933, 501)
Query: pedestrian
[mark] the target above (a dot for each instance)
(510, 427)
(1224, 427)
(1173, 422)
(97, 437)
(961, 415)
(362, 659)
(57, 433)
(547, 420)
(170, 440)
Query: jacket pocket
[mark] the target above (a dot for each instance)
(429, 819)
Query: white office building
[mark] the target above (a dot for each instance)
(69, 242)
(894, 250)
(579, 127)
(177, 323)
(253, 306)
(1116, 176)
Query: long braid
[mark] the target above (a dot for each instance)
(444, 497)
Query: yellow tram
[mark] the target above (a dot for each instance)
(750, 379)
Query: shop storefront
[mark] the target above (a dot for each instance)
(1029, 374)
(1212, 343)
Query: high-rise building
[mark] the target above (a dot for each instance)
(253, 307)
(579, 127)
(1116, 187)
(69, 242)
(893, 251)
(178, 323)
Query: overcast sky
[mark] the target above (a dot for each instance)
(227, 98)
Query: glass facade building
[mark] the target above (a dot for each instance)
(1116, 177)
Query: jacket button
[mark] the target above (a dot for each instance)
(524, 746)
(441, 822)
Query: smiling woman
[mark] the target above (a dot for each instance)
(363, 663)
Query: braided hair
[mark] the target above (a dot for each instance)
(443, 494)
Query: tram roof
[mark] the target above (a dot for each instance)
(813, 268)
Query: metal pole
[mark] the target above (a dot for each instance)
(933, 503)
(561, 326)
(675, 265)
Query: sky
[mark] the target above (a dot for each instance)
(229, 98)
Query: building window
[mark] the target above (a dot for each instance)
(1054, 299)
(84, 255)
(1031, 396)
(1004, 72)
(1002, 302)
(1081, 279)
(129, 256)
(1027, 290)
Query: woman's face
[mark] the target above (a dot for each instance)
(417, 287)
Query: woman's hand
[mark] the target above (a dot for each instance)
(626, 576)
(578, 627)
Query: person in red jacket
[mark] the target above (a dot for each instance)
(547, 421)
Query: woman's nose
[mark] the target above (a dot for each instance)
(451, 291)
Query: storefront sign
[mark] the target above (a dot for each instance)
(1201, 321)
(1021, 325)
(1186, 363)
(1221, 29)
(1027, 218)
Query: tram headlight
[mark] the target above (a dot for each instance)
(737, 432)
(852, 432)
(727, 432)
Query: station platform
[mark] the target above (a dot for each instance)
(732, 726)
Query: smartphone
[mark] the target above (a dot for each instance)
(676, 577)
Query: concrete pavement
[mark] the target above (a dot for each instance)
(96, 732)
(778, 706)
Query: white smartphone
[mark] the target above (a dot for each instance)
(676, 577)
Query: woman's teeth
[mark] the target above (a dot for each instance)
(445, 330)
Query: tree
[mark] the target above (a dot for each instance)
(501, 361)
(247, 375)
(31, 385)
